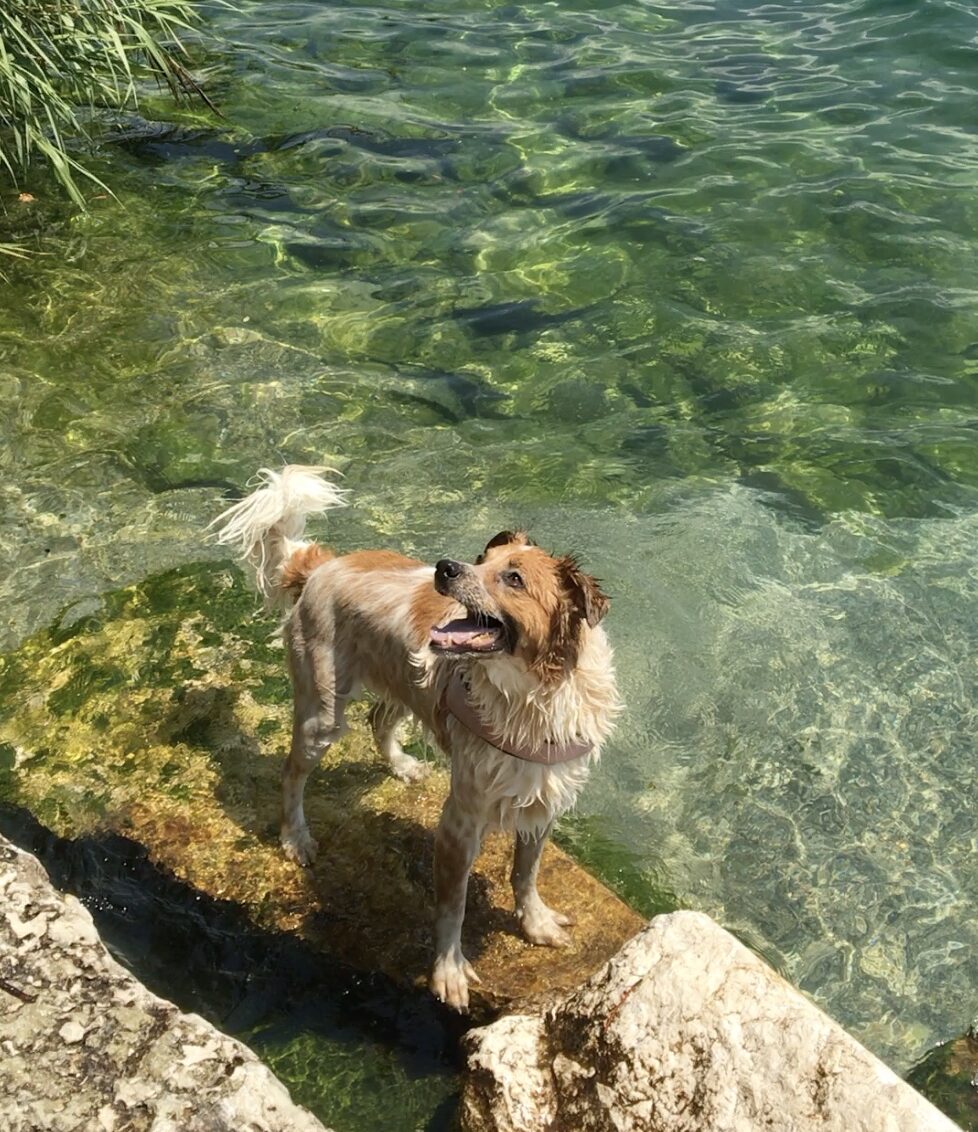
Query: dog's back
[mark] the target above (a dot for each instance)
(371, 611)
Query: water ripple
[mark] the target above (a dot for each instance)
(695, 287)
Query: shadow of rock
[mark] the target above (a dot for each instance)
(266, 987)
(948, 1078)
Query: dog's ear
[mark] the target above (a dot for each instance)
(581, 600)
(504, 538)
(585, 591)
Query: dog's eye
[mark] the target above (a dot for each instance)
(513, 579)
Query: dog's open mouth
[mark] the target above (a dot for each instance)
(473, 633)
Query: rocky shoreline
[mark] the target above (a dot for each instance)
(682, 1030)
(85, 1046)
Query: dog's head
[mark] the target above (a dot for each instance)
(518, 601)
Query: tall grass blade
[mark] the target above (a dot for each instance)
(59, 58)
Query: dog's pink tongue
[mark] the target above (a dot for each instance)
(464, 631)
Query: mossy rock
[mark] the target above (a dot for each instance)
(165, 716)
(948, 1078)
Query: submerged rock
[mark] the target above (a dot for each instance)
(948, 1076)
(683, 1030)
(165, 716)
(86, 1046)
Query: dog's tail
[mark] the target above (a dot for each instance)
(266, 527)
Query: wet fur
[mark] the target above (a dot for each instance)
(363, 621)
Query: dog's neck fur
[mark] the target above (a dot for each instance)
(527, 713)
(549, 754)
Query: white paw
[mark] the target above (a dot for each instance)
(450, 980)
(545, 927)
(407, 768)
(300, 846)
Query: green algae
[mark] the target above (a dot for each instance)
(617, 865)
(94, 710)
(8, 759)
(947, 1077)
(352, 1099)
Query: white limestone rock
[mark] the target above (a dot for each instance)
(683, 1030)
(84, 1047)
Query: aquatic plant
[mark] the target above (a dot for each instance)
(58, 57)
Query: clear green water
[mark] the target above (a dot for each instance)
(692, 290)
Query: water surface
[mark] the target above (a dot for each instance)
(690, 290)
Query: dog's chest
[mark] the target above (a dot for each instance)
(507, 792)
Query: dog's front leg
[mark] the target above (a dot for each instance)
(457, 843)
(539, 923)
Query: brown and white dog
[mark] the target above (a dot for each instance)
(503, 662)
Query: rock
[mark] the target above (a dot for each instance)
(683, 1030)
(87, 1047)
(948, 1076)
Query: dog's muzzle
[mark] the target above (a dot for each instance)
(476, 632)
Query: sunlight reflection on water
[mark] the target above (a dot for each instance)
(691, 291)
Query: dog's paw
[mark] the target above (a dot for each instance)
(407, 768)
(545, 927)
(450, 980)
(300, 846)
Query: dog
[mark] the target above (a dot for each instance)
(503, 661)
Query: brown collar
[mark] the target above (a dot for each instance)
(548, 753)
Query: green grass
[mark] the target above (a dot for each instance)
(61, 58)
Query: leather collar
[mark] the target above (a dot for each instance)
(547, 754)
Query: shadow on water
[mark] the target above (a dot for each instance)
(948, 1078)
(267, 988)
(521, 316)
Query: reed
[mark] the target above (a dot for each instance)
(61, 60)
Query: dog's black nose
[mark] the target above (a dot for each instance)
(447, 568)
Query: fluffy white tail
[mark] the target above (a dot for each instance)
(265, 528)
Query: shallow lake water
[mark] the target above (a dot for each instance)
(689, 290)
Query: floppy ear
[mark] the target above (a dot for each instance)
(591, 601)
(504, 538)
(581, 600)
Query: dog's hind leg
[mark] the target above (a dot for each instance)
(457, 843)
(540, 924)
(385, 716)
(317, 723)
